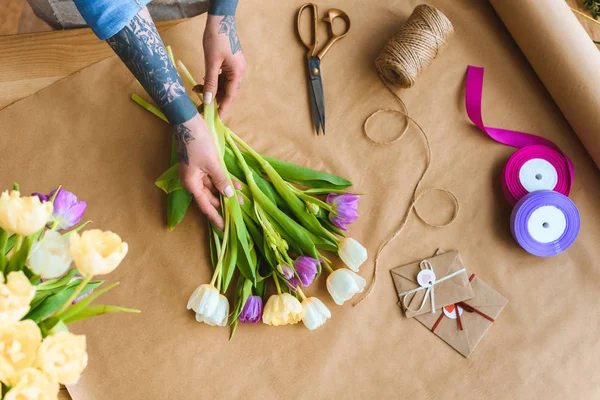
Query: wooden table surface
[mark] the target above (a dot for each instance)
(31, 62)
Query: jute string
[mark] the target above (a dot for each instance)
(400, 63)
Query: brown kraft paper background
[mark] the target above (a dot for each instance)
(85, 133)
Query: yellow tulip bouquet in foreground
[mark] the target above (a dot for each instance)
(40, 294)
(279, 228)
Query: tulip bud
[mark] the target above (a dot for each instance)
(342, 284)
(252, 310)
(211, 307)
(352, 253)
(23, 215)
(50, 257)
(285, 271)
(282, 309)
(96, 252)
(312, 208)
(345, 207)
(306, 268)
(314, 313)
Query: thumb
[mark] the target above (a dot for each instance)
(211, 82)
(219, 179)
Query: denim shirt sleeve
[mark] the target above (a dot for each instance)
(107, 17)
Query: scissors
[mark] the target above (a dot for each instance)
(314, 56)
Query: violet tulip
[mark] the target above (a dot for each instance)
(252, 311)
(306, 267)
(345, 207)
(68, 211)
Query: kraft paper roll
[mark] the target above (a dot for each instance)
(564, 58)
(545, 223)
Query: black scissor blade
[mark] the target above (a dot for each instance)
(317, 96)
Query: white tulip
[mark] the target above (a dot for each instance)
(211, 307)
(352, 253)
(50, 257)
(314, 313)
(23, 215)
(342, 284)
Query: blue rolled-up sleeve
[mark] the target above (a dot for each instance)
(107, 17)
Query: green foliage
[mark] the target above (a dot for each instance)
(593, 6)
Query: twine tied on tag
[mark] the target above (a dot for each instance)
(400, 62)
(428, 286)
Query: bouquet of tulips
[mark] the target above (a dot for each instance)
(279, 228)
(40, 294)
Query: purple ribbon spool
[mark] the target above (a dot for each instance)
(545, 223)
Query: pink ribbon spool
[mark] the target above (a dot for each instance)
(537, 155)
(535, 167)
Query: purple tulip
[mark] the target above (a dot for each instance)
(252, 310)
(306, 267)
(67, 210)
(345, 207)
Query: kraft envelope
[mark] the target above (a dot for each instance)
(447, 292)
(475, 326)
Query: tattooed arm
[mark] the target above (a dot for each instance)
(141, 49)
(222, 51)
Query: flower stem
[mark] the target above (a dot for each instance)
(149, 107)
(300, 292)
(19, 243)
(276, 283)
(219, 267)
(74, 295)
(327, 266)
(54, 225)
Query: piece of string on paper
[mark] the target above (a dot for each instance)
(401, 61)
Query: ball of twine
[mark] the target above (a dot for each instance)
(415, 46)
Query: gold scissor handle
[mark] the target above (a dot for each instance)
(312, 45)
(332, 14)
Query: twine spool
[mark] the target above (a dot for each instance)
(414, 47)
(400, 63)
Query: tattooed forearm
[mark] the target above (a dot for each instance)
(223, 7)
(141, 49)
(227, 27)
(183, 136)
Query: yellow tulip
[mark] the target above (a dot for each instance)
(96, 252)
(31, 383)
(63, 357)
(282, 309)
(15, 296)
(19, 343)
(23, 215)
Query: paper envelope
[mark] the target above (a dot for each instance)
(448, 292)
(474, 325)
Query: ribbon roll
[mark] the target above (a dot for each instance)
(532, 168)
(545, 223)
(517, 187)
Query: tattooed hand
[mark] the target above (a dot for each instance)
(199, 168)
(222, 51)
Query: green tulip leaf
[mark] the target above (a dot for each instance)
(231, 258)
(179, 200)
(53, 302)
(19, 257)
(56, 283)
(94, 311)
(169, 181)
(301, 175)
(77, 308)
